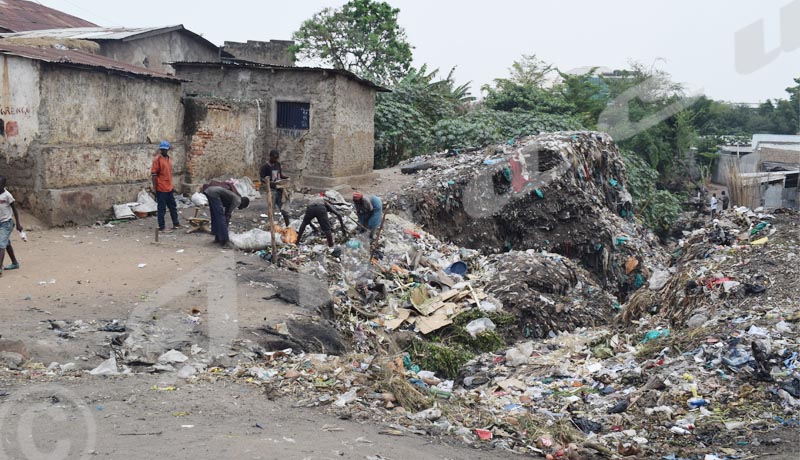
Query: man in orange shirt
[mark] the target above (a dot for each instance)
(161, 173)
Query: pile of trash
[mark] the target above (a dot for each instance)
(560, 192)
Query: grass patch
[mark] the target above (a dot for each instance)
(445, 360)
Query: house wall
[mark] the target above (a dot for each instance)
(747, 164)
(152, 52)
(96, 134)
(273, 52)
(19, 112)
(337, 148)
(222, 140)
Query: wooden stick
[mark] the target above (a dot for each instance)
(272, 223)
(374, 244)
(156, 234)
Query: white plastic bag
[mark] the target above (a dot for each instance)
(246, 188)
(123, 212)
(253, 240)
(199, 199)
(479, 326)
(146, 203)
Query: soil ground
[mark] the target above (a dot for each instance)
(92, 274)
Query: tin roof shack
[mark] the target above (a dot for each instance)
(21, 15)
(148, 47)
(79, 131)
(321, 120)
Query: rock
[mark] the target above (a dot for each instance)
(291, 374)
(186, 372)
(68, 367)
(11, 360)
(415, 167)
(658, 280)
(173, 356)
(15, 346)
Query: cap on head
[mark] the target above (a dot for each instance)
(357, 196)
(245, 203)
(164, 145)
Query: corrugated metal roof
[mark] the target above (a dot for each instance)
(774, 139)
(256, 65)
(22, 15)
(75, 58)
(106, 33)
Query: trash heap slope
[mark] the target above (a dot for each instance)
(559, 192)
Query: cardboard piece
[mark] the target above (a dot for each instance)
(431, 323)
(402, 316)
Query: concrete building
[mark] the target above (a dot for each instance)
(148, 47)
(80, 130)
(273, 52)
(321, 120)
(22, 15)
(769, 168)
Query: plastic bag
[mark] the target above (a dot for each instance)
(253, 240)
(146, 203)
(480, 326)
(199, 199)
(123, 211)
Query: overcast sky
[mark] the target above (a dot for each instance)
(691, 39)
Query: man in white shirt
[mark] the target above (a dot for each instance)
(8, 216)
(714, 206)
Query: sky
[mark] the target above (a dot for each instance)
(693, 40)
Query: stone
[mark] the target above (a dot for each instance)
(11, 360)
(15, 346)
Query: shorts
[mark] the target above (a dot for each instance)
(5, 232)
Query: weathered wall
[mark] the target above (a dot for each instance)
(221, 139)
(338, 143)
(152, 52)
(94, 140)
(273, 52)
(19, 119)
(354, 133)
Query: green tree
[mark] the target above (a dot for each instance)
(362, 36)
(586, 93)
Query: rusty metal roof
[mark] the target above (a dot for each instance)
(82, 59)
(108, 33)
(226, 62)
(22, 15)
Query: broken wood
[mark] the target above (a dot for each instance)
(272, 223)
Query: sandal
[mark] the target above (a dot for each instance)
(13, 266)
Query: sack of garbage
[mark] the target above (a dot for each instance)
(146, 203)
(253, 240)
(199, 199)
(123, 212)
(246, 188)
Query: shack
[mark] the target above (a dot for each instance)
(79, 131)
(148, 47)
(321, 120)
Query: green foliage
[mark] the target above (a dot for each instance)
(362, 36)
(405, 117)
(658, 208)
(586, 93)
(442, 359)
(485, 126)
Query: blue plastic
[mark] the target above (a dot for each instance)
(458, 268)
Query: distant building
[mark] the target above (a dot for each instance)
(770, 164)
(22, 15)
(322, 121)
(79, 131)
(147, 47)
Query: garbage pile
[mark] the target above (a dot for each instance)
(560, 192)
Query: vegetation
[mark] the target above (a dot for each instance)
(362, 36)
(648, 114)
